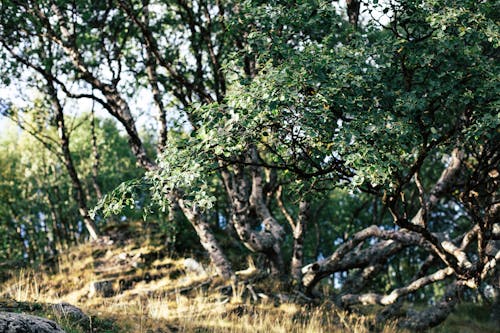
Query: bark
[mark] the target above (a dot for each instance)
(468, 270)
(298, 240)
(434, 315)
(115, 103)
(56, 31)
(359, 280)
(372, 298)
(207, 240)
(298, 230)
(70, 167)
(118, 108)
(451, 255)
(251, 213)
(442, 186)
(151, 65)
(95, 153)
(270, 224)
(353, 7)
(150, 42)
(215, 64)
(345, 258)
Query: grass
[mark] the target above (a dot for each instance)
(156, 294)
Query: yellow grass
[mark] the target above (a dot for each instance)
(166, 303)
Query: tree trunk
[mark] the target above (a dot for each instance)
(151, 65)
(207, 240)
(298, 240)
(95, 153)
(435, 315)
(249, 212)
(70, 167)
(346, 257)
(353, 7)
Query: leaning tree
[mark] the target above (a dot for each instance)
(283, 105)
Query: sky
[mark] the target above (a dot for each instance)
(3, 120)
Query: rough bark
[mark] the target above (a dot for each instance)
(434, 315)
(298, 231)
(444, 182)
(96, 156)
(314, 272)
(151, 65)
(298, 240)
(355, 282)
(453, 254)
(207, 239)
(251, 218)
(372, 298)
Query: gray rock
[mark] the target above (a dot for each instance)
(72, 314)
(192, 266)
(103, 288)
(22, 323)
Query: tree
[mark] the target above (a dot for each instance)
(59, 146)
(38, 210)
(292, 98)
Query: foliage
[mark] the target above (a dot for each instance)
(37, 207)
(297, 131)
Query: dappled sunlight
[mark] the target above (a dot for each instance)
(184, 301)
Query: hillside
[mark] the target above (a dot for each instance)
(135, 286)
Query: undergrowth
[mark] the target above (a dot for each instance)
(158, 294)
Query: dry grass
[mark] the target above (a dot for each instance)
(154, 293)
(164, 297)
(144, 309)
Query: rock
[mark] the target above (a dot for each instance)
(72, 314)
(22, 323)
(191, 265)
(103, 288)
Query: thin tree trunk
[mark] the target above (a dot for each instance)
(151, 65)
(353, 7)
(298, 240)
(70, 167)
(96, 161)
(207, 240)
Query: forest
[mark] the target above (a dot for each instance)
(341, 157)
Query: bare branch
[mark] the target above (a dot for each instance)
(313, 273)
(284, 211)
(372, 298)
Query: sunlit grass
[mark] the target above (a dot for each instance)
(175, 299)
(200, 311)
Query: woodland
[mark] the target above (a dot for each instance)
(350, 149)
